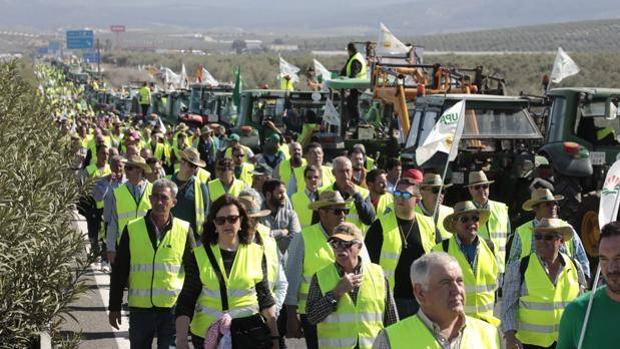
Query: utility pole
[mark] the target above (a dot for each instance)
(98, 59)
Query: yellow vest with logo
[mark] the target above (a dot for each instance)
(126, 207)
(540, 310)
(300, 202)
(216, 189)
(285, 171)
(246, 175)
(393, 244)
(496, 229)
(96, 173)
(385, 201)
(477, 334)
(353, 323)
(357, 57)
(155, 276)
(246, 272)
(526, 235)
(271, 255)
(480, 285)
(317, 255)
(444, 211)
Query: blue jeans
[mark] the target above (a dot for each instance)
(146, 324)
(406, 307)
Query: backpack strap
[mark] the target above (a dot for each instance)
(525, 261)
(445, 244)
(220, 276)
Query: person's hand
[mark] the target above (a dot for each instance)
(114, 318)
(347, 283)
(283, 232)
(349, 187)
(111, 256)
(293, 326)
(511, 340)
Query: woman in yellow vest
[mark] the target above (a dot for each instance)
(441, 322)
(241, 266)
(350, 301)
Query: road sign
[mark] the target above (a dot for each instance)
(80, 39)
(54, 46)
(91, 57)
(117, 28)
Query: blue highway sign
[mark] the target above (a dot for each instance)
(91, 57)
(80, 39)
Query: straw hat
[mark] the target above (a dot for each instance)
(181, 127)
(462, 208)
(555, 225)
(347, 232)
(433, 180)
(328, 199)
(539, 196)
(138, 161)
(476, 178)
(192, 156)
(252, 206)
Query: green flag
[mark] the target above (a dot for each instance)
(236, 94)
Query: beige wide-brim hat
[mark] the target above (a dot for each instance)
(347, 232)
(477, 178)
(555, 225)
(192, 156)
(138, 161)
(462, 208)
(329, 198)
(540, 195)
(433, 180)
(252, 206)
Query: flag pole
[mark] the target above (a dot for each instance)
(438, 236)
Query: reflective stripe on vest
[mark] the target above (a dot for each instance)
(317, 255)
(155, 276)
(300, 202)
(126, 207)
(94, 172)
(540, 310)
(216, 189)
(476, 334)
(357, 57)
(496, 229)
(240, 285)
(271, 254)
(352, 322)
(480, 285)
(526, 235)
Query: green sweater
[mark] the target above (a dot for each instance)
(602, 331)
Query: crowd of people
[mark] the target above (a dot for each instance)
(218, 246)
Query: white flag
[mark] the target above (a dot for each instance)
(445, 135)
(321, 71)
(183, 82)
(331, 115)
(170, 77)
(388, 43)
(287, 68)
(610, 196)
(563, 67)
(208, 79)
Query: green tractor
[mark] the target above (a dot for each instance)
(581, 143)
(209, 104)
(169, 106)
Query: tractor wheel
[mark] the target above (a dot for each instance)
(590, 232)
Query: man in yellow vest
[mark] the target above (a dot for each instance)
(476, 259)
(357, 156)
(243, 170)
(129, 201)
(287, 170)
(286, 83)
(354, 68)
(350, 301)
(303, 198)
(497, 227)
(95, 172)
(149, 262)
(429, 188)
(361, 212)
(308, 253)
(545, 205)
(381, 200)
(538, 287)
(315, 156)
(192, 196)
(144, 94)
(441, 322)
(225, 183)
(234, 140)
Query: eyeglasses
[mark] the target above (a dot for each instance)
(343, 245)
(130, 168)
(223, 219)
(405, 195)
(433, 190)
(466, 219)
(546, 237)
(480, 186)
(339, 211)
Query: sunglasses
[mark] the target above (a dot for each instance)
(546, 237)
(342, 245)
(339, 211)
(467, 219)
(130, 168)
(405, 195)
(189, 164)
(480, 186)
(223, 219)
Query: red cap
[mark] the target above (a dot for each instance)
(414, 175)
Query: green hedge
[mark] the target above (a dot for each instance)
(41, 256)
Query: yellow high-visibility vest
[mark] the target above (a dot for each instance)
(526, 235)
(271, 255)
(246, 175)
(385, 204)
(496, 229)
(444, 211)
(97, 173)
(246, 272)
(356, 322)
(216, 189)
(126, 207)
(285, 171)
(540, 310)
(300, 202)
(317, 255)
(357, 57)
(155, 276)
